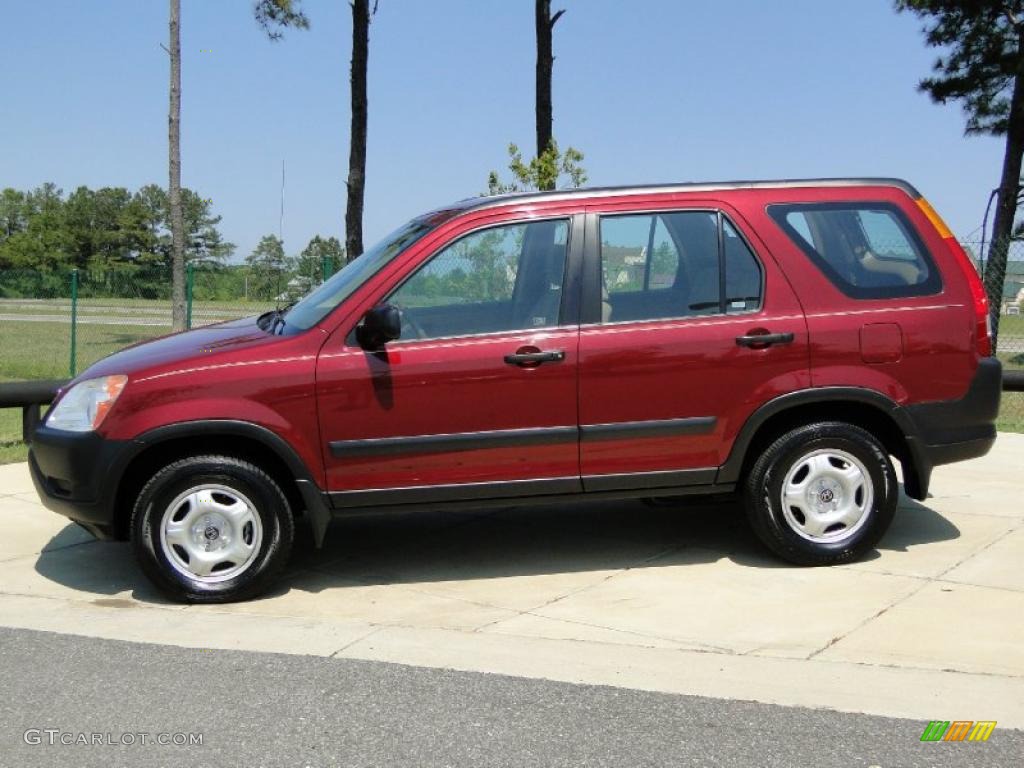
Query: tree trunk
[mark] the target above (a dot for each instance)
(1006, 198)
(357, 145)
(544, 23)
(545, 63)
(174, 182)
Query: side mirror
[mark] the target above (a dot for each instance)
(380, 325)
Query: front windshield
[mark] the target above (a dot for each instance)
(317, 304)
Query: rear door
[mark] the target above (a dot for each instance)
(478, 396)
(689, 326)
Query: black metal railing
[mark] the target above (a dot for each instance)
(29, 396)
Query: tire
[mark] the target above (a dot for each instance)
(212, 529)
(822, 494)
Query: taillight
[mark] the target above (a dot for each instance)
(982, 318)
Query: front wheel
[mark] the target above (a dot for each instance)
(822, 494)
(212, 529)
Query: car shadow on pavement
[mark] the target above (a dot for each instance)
(404, 548)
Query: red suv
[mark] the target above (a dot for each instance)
(781, 340)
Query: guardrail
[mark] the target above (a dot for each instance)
(29, 395)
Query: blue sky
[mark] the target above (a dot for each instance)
(658, 91)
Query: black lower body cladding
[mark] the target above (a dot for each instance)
(75, 474)
(956, 430)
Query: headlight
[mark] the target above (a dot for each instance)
(86, 404)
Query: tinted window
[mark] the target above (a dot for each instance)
(625, 244)
(315, 306)
(664, 258)
(499, 279)
(742, 272)
(868, 250)
(668, 265)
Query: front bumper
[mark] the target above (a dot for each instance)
(76, 475)
(955, 430)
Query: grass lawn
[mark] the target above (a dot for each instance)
(1012, 325)
(1011, 412)
(33, 350)
(234, 308)
(11, 447)
(1011, 334)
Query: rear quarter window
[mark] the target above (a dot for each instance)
(867, 250)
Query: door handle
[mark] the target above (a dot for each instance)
(762, 340)
(533, 359)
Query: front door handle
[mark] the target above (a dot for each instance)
(532, 359)
(762, 340)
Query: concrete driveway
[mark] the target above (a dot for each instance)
(677, 599)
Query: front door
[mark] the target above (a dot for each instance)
(688, 330)
(477, 398)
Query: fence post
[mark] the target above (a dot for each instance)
(74, 321)
(189, 284)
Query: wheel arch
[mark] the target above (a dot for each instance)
(865, 408)
(243, 440)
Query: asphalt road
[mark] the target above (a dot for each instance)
(256, 709)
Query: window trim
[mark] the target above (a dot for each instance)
(932, 286)
(720, 233)
(568, 310)
(590, 312)
(650, 252)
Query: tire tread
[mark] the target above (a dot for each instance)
(775, 533)
(274, 564)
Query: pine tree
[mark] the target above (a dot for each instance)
(982, 66)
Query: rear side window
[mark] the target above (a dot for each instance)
(675, 264)
(867, 250)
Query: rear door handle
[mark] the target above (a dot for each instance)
(758, 340)
(533, 359)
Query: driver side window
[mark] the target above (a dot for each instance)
(503, 278)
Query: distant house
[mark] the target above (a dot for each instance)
(1013, 288)
(1013, 296)
(297, 287)
(624, 267)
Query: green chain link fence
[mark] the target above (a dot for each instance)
(56, 324)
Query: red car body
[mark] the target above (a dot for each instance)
(630, 409)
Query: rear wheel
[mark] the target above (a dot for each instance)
(822, 494)
(212, 529)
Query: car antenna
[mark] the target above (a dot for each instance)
(280, 238)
